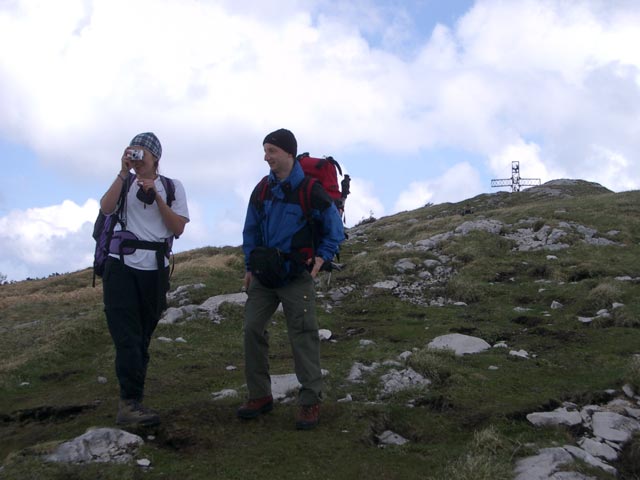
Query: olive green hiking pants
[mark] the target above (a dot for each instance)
(298, 303)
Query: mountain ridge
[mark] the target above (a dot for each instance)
(409, 279)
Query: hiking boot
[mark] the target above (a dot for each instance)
(253, 408)
(131, 412)
(308, 417)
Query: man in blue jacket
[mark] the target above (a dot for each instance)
(285, 246)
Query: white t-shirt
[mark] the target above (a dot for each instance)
(146, 223)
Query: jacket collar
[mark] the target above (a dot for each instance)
(292, 181)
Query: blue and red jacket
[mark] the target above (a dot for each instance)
(279, 221)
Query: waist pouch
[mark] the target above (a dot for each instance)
(274, 268)
(124, 242)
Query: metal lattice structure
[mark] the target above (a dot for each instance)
(515, 182)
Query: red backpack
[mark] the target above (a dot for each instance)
(325, 170)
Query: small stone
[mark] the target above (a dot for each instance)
(102, 380)
(324, 334)
(180, 340)
(386, 285)
(628, 390)
(226, 393)
(404, 355)
(391, 438)
(143, 462)
(560, 416)
(164, 339)
(230, 368)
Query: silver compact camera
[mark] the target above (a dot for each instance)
(135, 154)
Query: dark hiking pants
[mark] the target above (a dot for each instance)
(133, 302)
(298, 303)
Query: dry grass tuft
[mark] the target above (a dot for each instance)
(603, 295)
(215, 262)
(46, 293)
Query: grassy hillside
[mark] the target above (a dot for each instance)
(469, 424)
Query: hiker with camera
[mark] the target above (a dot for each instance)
(292, 228)
(144, 212)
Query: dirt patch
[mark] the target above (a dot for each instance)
(58, 376)
(630, 459)
(436, 403)
(464, 330)
(527, 321)
(47, 413)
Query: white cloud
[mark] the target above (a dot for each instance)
(222, 74)
(362, 203)
(530, 164)
(456, 184)
(50, 239)
(552, 84)
(39, 241)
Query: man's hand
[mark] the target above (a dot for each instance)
(247, 281)
(317, 265)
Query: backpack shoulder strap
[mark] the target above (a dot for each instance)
(263, 188)
(121, 211)
(304, 195)
(260, 193)
(170, 187)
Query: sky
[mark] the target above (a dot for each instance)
(420, 101)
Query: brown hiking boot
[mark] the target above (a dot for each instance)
(253, 408)
(131, 412)
(308, 417)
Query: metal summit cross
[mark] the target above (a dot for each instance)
(515, 182)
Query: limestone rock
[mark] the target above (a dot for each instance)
(613, 426)
(359, 369)
(560, 416)
(589, 459)
(598, 449)
(404, 265)
(491, 226)
(386, 285)
(101, 445)
(212, 304)
(225, 393)
(460, 344)
(391, 438)
(324, 334)
(543, 465)
(397, 380)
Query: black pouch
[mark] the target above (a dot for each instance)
(268, 265)
(147, 197)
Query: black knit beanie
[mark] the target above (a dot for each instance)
(284, 139)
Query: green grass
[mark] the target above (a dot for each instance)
(469, 424)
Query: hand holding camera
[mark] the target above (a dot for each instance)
(147, 192)
(130, 156)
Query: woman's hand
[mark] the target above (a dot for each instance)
(146, 184)
(125, 162)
